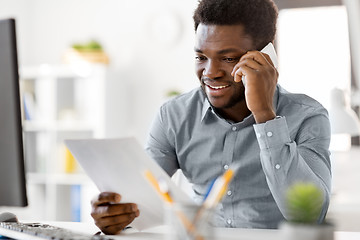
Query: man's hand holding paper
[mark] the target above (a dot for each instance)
(110, 215)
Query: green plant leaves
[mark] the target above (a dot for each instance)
(89, 46)
(304, 202)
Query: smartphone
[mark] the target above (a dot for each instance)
(270, 50)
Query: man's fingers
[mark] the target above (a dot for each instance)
(110, 215)
(106, 197)
(124, 220)
(114, 229)
(113, 210)
(241, 72)
(256, 56)
(248, 61)
(121, 208)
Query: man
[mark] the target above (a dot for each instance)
(239, 115)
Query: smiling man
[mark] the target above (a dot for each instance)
(240, 114)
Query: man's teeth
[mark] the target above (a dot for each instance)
(218, 87)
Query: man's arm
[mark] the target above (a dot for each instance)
(158, 145)
(305, 159)
(284, 161)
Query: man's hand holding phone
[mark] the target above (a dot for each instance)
(259, 75)
(110, 215)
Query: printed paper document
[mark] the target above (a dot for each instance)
(118, 165)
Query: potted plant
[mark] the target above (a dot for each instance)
(304, 204)
(91, 51)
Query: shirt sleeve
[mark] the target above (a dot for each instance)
(158, 146)
(305, 158)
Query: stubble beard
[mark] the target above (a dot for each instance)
(236, 98)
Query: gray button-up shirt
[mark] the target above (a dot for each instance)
(189, 135)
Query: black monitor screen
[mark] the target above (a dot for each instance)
(12, 173)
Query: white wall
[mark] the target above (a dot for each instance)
(150, 44)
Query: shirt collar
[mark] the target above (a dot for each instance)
(276, 97)
(207, 107)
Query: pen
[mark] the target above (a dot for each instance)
(216, 191)
(219, 187)
(209, 189)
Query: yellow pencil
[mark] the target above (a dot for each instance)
(150, 177)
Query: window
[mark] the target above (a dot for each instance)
(313, 50)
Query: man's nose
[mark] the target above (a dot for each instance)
(212, 70)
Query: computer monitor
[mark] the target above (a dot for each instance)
(12, 170)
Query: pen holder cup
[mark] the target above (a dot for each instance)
(188, 222)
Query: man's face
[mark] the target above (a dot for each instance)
(218, 49)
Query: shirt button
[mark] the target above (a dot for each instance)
(277, 166)
(269, 134)
(226, 167)
(234, 128)
(258, 135)
(229, 193)
(228, 221)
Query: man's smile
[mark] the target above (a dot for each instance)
(213, 87)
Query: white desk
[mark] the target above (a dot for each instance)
(159, 233)
(344, 208)
(221, 233)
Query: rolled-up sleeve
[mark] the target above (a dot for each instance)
(304, 157)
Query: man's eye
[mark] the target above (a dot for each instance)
(199, 58)
(231, 60)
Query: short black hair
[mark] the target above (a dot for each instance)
(257, 16)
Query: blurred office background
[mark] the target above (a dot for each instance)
(149, 45)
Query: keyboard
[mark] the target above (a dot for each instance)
(39, 231)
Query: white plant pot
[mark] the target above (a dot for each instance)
(298, 231)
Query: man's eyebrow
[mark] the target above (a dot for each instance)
(228, 50)
(223, 51)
